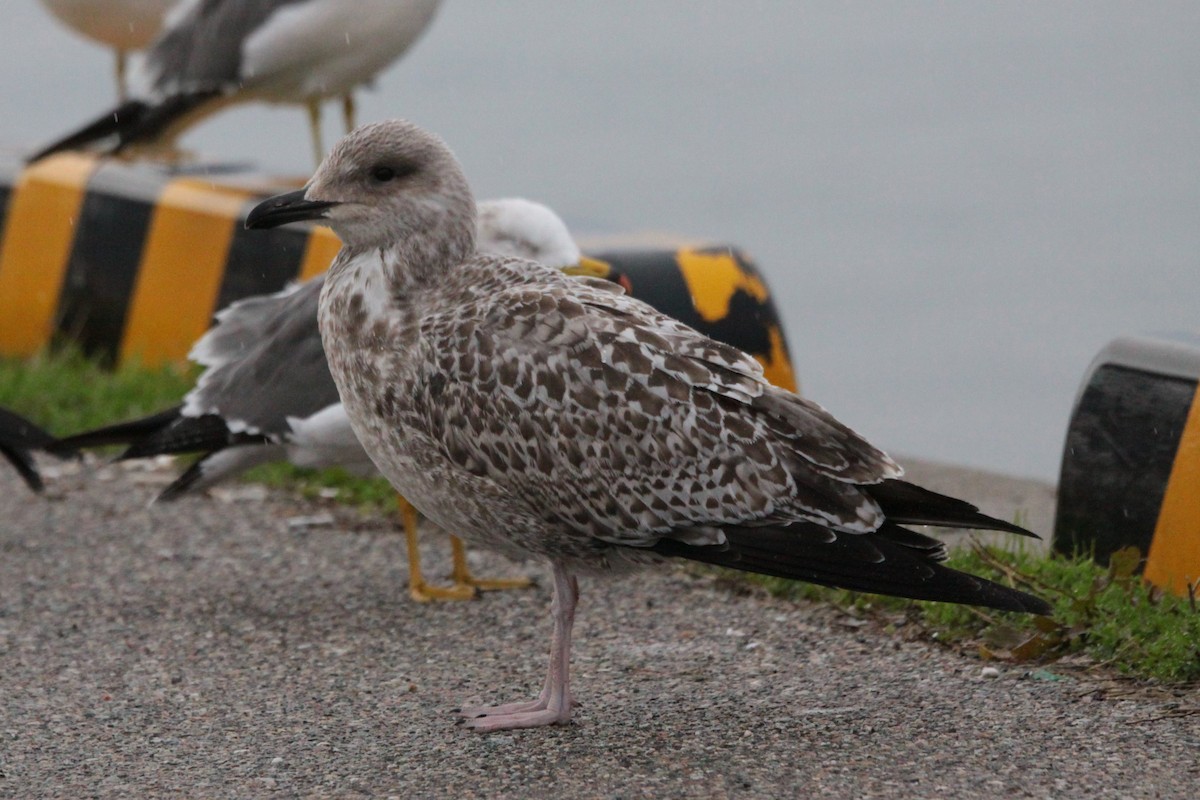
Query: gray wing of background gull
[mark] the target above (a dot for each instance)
(203, 45)
(213, 52)
(266, 393)
(265, 364)
(266, 369)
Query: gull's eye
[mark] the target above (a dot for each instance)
(383, 174)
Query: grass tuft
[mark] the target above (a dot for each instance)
(374, 494)
(65, 392)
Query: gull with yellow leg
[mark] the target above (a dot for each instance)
(214, 53)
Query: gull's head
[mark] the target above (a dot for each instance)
(522, 228)
(385, 184)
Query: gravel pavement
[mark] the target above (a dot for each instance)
(259, 645)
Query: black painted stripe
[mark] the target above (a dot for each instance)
(260, 262)
(1120, 448)
(98, 286)
(9, 173)
(653, 276)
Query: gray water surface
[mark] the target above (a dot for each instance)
(956, 204)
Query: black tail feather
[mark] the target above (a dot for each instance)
(908, 504)
(134, 121)
(893, 561)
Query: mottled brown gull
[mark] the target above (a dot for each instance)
(540, 414)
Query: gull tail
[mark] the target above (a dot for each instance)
(132, 122)
(18, 439)
(893, 560)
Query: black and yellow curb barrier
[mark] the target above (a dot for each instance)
(1131, 464)
(716, 290)
(131, 261)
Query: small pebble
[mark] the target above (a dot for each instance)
(313, 521)
(989, 672)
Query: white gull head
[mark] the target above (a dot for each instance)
(521, 228)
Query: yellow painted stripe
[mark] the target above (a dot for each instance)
(322, 246)
(778, 368)
(35, 247)
(714, 278)
(1174, 557)
(183, 262)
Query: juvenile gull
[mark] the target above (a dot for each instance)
(539, 414)
(266, 393)
(216, 52)
(123, 25)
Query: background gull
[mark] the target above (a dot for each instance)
(216, 52)
(560, 418)
(266, 393)
(123, 25)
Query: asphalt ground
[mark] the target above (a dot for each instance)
(254, 644)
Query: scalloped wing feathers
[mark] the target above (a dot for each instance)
(630, 425)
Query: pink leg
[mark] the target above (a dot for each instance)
(553, 705)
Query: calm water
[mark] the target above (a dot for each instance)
(956, 204)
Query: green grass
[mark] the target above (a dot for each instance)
(66, 393)
(1104, 612)
(367, 493)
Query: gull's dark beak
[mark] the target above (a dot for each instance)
(284, 208)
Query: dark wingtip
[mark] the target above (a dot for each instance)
(122, 433)
(22, 461)
(132, 122)
(183, 484)
(892, 561)
(909, 504)
(114, 122)
(19, 438)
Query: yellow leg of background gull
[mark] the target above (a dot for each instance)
(462, 573)
(122, 86)
(418, 589)
(465, 585)
(314, 123)
(348, 110)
